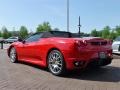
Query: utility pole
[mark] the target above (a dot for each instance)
(68, 15)
(79, 26)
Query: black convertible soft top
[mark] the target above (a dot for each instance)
(62, 34)
(57, 34)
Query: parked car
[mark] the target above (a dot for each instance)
(11, 40)
(59, 51)
(116, 45)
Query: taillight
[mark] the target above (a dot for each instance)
(81, 43)
(110, 53)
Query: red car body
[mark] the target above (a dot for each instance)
(77, 52)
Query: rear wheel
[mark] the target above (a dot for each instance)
(56, 63)
(13, 55)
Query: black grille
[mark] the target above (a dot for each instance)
(98, 43)
(103, 43)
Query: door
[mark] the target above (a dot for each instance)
(29, 47)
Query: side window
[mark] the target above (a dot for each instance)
(34, 38)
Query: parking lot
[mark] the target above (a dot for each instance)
(23, 76)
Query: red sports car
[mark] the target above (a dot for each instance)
(60, 51)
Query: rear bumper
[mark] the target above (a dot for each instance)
(84, 63)
(84, 57)
(100, 62)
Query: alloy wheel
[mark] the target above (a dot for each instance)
(56, 62)
(13, 55)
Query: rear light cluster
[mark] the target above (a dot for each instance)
(110, 53)
(81, 43)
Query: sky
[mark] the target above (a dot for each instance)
(30, 13)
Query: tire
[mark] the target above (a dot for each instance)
(56, 63)
(5, 42)
(13, 55)
(119, 48)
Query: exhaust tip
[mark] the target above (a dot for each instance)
(79, 63)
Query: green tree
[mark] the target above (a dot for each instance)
(112, 35)
(94, 33)
(44, 27)
(14, 32)
(23, 33)
(117, 29)
(106, 32)
(99, 33)
(56, 29)
(9, 34)
(5, 33)
(0, 34)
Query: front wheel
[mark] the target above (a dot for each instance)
(56, 63)
(13, 55)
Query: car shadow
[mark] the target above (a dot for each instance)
(105, 74)
(116, 56)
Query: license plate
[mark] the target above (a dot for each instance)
(102, 55)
